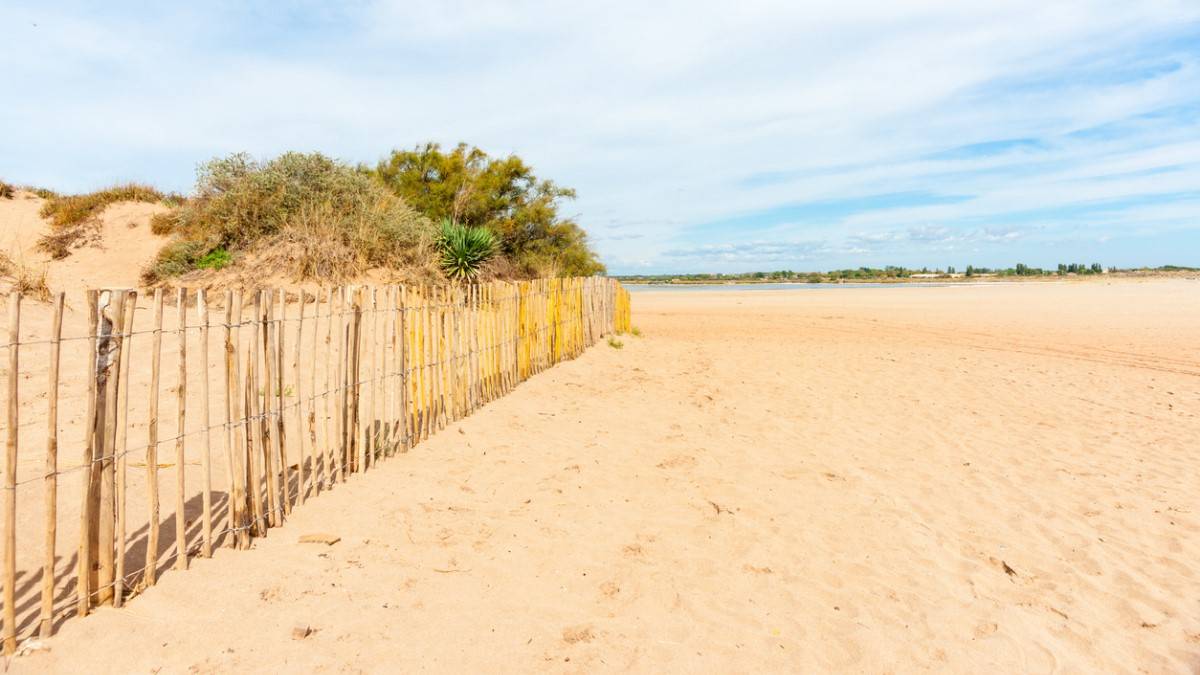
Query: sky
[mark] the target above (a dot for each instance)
(700, 136)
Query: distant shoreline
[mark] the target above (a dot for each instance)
(937, 280)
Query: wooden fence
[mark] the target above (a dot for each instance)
(277, 396)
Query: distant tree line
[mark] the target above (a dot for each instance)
(891, 272)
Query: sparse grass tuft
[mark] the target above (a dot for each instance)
(44, 193)
(6, 190)
(635, 331)
(26, 280)
(615, 343)
(73, 219)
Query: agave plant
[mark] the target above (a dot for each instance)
(465, 249)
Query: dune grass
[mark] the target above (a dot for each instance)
(25, 279)
(74, 218)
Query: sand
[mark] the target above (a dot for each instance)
(125, 247)
(996, 478)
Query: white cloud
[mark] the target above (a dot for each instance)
(656, 112)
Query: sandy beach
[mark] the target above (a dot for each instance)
(981, 478)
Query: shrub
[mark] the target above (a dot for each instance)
(302, 214)
(6, 190)
(216, 259)
(178, 257)
(464, 249)
(501, 193)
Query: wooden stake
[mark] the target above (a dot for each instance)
(122, 444)
(47, 616)
(356, 446)
(111, 348)
(301, 433)
(340, 394)
(405, 420)
(84, 571)
(329, 387)
(277, 351)
(236, 421)
(206, 420)
(254, 423)
(151, 573)
(10, 474)
(181, 560)
(371, 439)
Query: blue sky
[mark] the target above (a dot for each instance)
(700, 136)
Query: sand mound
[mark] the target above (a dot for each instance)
(116, 259)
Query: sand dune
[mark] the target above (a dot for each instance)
(975, 479)
(125, 246)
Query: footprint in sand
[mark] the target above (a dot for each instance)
(576, 634)
(678, 462)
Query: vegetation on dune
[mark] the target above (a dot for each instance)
(73, 218)
(308, 216)
(6, 190)
(464, 249)
(65, 211)
(25, 279)
(467, 186)
(301, 214)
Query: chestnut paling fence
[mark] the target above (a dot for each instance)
(271, 398)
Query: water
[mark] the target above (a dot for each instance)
(643, 288)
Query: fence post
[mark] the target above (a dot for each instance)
(10, 475)
(122, 442)
(47, 612)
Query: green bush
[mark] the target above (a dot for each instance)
(216, 259)
(464, 249)
(503, 194)
(304, 215)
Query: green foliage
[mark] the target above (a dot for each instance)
(635, 331)
(216, 259)
(467, 186)
(615, 343)
(303, 214)
(464, 249)
(177, 257)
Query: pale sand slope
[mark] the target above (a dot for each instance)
(827, 480)
(126, 245)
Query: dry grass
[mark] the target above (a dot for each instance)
(6, 190)
(73, 219)
(28, 281)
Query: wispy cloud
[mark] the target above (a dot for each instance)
(697, 134)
